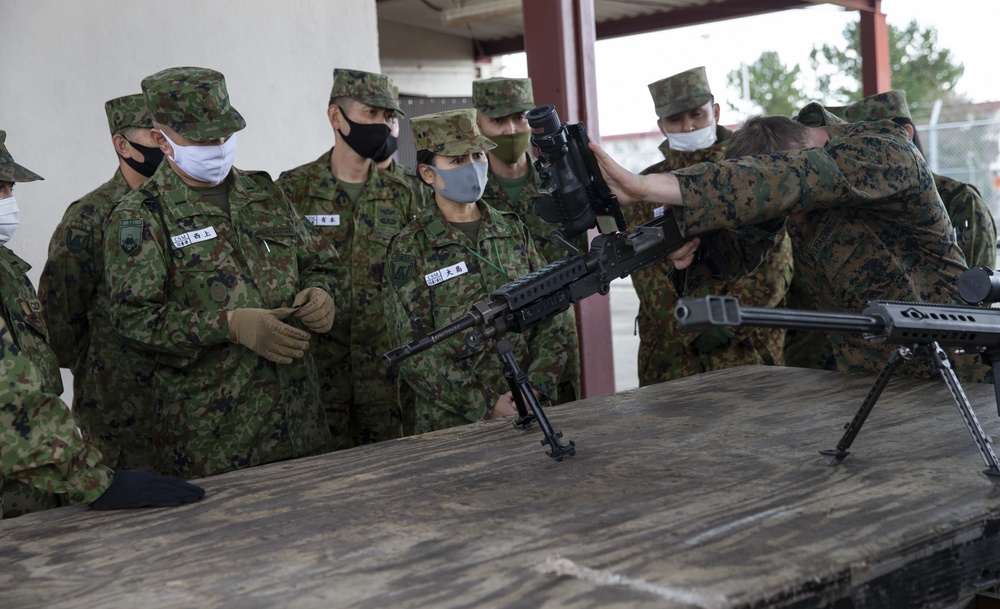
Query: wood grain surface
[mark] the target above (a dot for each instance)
(703, 492)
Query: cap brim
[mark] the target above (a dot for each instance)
(224, 126)
(501, 111)
(12, 172)
(682, 105)
(477, 144)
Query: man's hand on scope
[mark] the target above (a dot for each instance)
(630, 187)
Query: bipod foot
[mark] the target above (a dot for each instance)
(836, 456)
(525, 421)
(558, 450)
(993, 474)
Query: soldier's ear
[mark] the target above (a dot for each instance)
(333, 113)
(663, 129)
(426, 174)
(121, 145)
(718, 111)
(161, 142)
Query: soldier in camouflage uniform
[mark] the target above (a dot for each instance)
(44, 463)
(512, 185)
(970, 217)
(112, 397)
(386, 161)
(859, 205)
(454, 254)
(689, 119)
(203, 262)
(359, 208)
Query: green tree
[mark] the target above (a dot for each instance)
(771, 85)
(917, 65)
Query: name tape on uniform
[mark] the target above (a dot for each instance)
(193, 237)
(324, 219)
(446, 273)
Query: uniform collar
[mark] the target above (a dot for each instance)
(440, 232)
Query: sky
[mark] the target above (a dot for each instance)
(965, 27)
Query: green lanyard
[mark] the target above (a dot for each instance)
(498, 266)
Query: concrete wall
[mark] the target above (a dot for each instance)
(60, 60)
(427, 64)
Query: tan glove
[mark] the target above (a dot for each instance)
(315, 309)
(262, 331)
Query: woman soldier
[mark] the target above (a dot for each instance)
(453, 254)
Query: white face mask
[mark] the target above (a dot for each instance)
(210, 164)
(693, 140)
(10, 218)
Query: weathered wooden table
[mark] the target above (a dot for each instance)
(703, 492)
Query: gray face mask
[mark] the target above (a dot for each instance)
(463, 184)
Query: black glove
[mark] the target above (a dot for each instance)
(711, 339)
(137, 489)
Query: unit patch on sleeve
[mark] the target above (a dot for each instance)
(130, 235)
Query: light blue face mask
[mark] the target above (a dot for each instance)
(463, 184)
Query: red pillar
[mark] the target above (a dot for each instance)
(875, 68)
(559, 40)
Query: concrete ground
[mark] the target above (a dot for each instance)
(624, 307)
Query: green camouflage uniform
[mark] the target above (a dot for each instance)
(176, 263)
(970, 216)
(434, 276)
(41, 453)
(494, 98)
(874, 226)
(112, 384)
(665, 352)
(364, 400)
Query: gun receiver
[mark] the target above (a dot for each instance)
(915, 326)
(526, 302)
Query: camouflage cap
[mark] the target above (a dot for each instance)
(127, 111)
(376, 90)
(681, 92)
(451, 133)
(890, 105)
(11, 171)
(193, 102)
(496, 97)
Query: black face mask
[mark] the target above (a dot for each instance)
(368, 141)
(153, 157)
(391, 145)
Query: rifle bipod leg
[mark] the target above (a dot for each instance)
(851, 429)
(983, 442)
(524, 396)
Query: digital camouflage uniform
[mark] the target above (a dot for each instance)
(176, 263)
(970, 216)
(495, 98)
(42, 456)
(364, 400)
(112, 384)
(665, 352)
(874, 227)
(434, 276)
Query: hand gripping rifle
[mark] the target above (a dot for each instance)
(578, 198)
(914, 326)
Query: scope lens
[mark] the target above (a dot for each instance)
(544, 119)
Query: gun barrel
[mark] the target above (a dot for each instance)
(413, 347)
(710, 311)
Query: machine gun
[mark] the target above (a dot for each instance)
(578, 198)
(916, 327)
